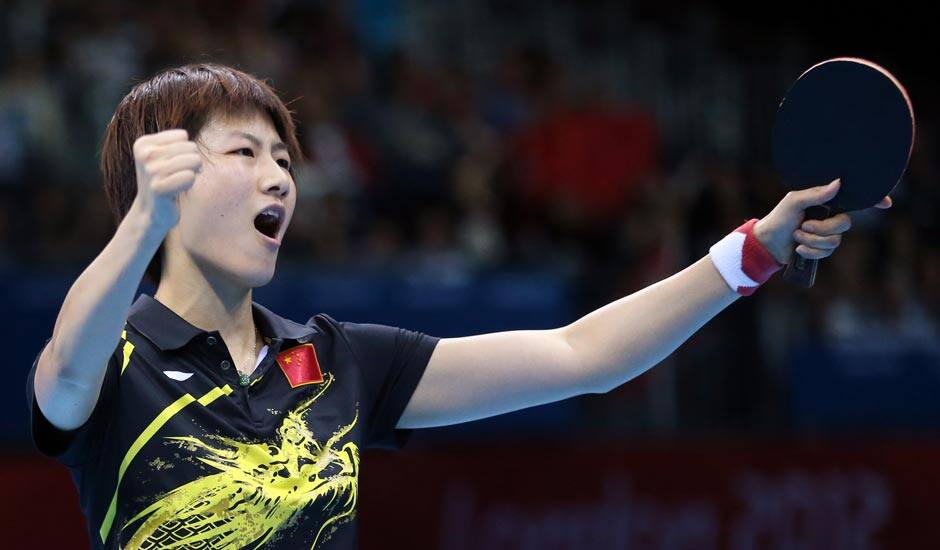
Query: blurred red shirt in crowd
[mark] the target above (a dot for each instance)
(593, 155)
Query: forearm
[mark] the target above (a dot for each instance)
(92, 316)
(625, 338)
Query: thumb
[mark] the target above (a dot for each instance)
(817, 195)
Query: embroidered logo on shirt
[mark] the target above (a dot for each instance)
(177, 375)
(299, 364)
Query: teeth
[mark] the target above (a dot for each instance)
(272, 212)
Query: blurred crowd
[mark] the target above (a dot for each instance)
(461, 137)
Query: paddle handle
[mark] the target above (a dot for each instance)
(802, 271)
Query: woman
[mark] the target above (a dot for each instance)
(197, 416)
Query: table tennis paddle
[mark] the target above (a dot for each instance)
(844, 118)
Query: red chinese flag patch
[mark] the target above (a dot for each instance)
(300, 365)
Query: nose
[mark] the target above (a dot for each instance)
(278, 187)
(275, 180)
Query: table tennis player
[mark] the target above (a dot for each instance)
(198, 417)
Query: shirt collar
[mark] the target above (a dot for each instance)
(168, 331)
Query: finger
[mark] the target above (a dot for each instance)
(175, 182)
(813, 196)
(148, 153)
(152, 140)
(830, 226)
(821, 242)
(169, 149)
(189, 161)
(176, 148)
(885, 203)
(166, 136)
(811, 253)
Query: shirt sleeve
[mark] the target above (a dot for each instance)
(392, 361)
(71, 447)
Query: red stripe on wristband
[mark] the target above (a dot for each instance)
(756, 261)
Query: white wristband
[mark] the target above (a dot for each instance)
(742, 260)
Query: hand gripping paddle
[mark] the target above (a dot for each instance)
(844, 118)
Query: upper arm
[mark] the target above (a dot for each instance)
(67, 404)
(480, 376)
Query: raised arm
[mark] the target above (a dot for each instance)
(485, 375)
(72, 366)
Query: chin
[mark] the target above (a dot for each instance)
(247, 276)
(248, 267)
(254, 279)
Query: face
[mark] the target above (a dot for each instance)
(245, 169)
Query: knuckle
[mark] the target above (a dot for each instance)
(153, 167)
(141, 141)
(151, 154)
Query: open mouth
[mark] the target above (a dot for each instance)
(268, 222)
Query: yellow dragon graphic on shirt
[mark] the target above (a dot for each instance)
(260, 489)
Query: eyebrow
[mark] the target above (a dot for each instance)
(278, 146)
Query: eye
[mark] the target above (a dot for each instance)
(284, 163)
(243, 149)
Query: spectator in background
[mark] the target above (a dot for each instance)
(528, 173)
(581, 160)
(583, 163)
(34, 137)
(417, 147)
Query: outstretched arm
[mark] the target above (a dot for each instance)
(489, 374)
(480, 376)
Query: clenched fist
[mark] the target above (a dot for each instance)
(166, 164)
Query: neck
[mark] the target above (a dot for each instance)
(203, 307)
